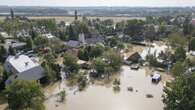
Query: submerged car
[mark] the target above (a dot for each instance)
(156, 78)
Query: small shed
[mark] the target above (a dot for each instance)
(135, 58)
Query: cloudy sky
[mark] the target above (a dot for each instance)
(99, 2)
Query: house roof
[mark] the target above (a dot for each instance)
(94, 40)
(21, 63)
(5, 35)
(72, 43)
(18, 44)
(193, 21)
(49, 36)
(134, 57)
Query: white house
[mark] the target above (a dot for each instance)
(24, 68)
(49, 36)
(5, 35)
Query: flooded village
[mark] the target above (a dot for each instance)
(135, 86)
(88, 63)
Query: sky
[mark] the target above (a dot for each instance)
(98, 2)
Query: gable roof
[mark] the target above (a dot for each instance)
(134, 57)
(72, 43)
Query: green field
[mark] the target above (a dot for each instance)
(2, 18)
(70, 19)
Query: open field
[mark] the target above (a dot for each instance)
(71, 18)
(2, 18)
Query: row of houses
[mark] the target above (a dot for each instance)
(83, 40)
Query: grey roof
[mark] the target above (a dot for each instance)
(18, 45)
(94, 40)
(36, 73)
(72, 43)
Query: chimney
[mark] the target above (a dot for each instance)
(26, 63)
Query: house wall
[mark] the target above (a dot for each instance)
(35, 73)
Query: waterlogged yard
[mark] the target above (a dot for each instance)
(102, 97)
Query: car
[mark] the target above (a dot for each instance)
(134, 67)
(156, 78)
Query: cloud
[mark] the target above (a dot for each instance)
(99, 2)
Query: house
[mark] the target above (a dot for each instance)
(23, 33)
(90, 39)
(48, 36)
(73, 43)
(5, 35)
(18, 45)
(193, 22)
(23, 68)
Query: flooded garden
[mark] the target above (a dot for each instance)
(134, 91)
(103, 97)
(128, 89)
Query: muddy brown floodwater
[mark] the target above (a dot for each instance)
(103, 98)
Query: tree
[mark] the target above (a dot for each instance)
(33, 34)
(62, 95)
(134, 27)
(180, 54)
(150, 33)
(99, 65)
(29, 43)
(49, 24)
(187, 26)
(75, 15)
(2, 53)
(112, 42)
(108, 22)
(177, 39)
(24, 95)
(51, 68)
(3, 77)
(179, 94)
(12, 51)
(192, 44)
(70, 63)
(114, 59)
(178, 69)
(153, 60)
(72, 34)
(50, 73)
(97, 50)
(120, 26)
(90, 52)
(40, 41)
(2, 39)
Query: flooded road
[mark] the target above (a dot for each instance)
(104, 98)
